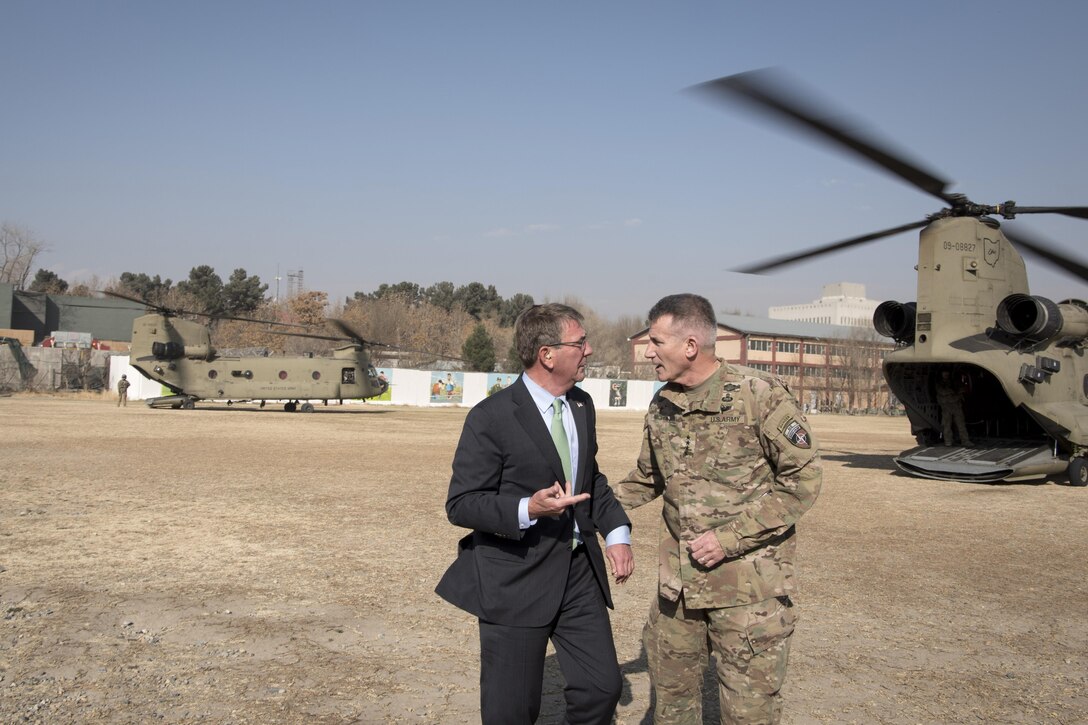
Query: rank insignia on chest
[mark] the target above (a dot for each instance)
(795, 434)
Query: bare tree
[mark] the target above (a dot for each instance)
(18, 250)
(859, 358)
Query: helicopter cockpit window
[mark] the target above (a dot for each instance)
(347, 376)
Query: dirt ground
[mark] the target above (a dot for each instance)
(231, 565)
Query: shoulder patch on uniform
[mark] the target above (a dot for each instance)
(796, 434)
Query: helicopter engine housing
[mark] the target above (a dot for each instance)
(896, 320)
(1039, 319)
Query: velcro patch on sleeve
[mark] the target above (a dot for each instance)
(796, 434)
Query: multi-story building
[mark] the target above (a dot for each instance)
(842, 303)
(828, 367)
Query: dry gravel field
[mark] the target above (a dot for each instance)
(233, 565)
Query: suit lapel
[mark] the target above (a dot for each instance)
(578, 409)
(529, 418)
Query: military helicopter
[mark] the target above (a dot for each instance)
(1019, 358)
(179, 354)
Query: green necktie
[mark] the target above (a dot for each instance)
(559, 437)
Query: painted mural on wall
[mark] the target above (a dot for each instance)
(498, 381)
(447, 387)
(617, 393)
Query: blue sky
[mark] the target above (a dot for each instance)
(544, 148)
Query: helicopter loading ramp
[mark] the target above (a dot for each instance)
(982, 463)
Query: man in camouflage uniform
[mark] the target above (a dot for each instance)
(122, 391)
(733, 457)
(950, 395)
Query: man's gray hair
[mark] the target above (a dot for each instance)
(692, 314)
(541, 325)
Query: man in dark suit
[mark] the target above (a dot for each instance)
(532, 569)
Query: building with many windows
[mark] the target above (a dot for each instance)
(828, 367)
(842, 303)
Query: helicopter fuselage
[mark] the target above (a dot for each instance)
(179, 354)
(1024, 379)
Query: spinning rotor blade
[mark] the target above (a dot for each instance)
(350, 333)
(766, 91)
(170, 311)
(777, 262)
(332, 338)
(137, 300)
(1046, 252)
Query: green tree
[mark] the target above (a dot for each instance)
(242, 294)
(48, 282)
(511, 308)
(476, 299)
(479, 350)
(152, 289)
(513, 359)
(441, 294)
(205, 286)
(408, 291)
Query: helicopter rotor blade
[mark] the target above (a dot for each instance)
(766, 90)
(1077, 212)
(170, 311)
(350, 333)
(137, 300)
(333, 338)
(785, 260)
(1046, 251)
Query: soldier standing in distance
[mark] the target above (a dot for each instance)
(122, 391)
(733, 457)
(950, 395)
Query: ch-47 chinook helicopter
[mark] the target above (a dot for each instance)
(179, 354)
(1020, 358)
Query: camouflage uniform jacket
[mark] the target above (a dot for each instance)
(734, 456)
(122, 386)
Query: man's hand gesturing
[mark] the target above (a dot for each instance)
(554, 500)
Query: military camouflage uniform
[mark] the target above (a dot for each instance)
(122, 392)
(950, 395)
(733, 455)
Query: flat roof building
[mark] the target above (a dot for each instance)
(842, 303)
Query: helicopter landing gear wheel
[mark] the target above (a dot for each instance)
(188, 405)
(289, 407)
(1078, 472)
(307, 407)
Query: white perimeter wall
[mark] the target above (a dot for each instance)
(412, 387)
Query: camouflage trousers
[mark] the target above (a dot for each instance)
(751, 644)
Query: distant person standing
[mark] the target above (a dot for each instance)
(950, 396)
(122, 391)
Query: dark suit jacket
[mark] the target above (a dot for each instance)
(504, 574)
